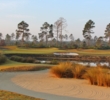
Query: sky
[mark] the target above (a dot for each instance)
(36, 12)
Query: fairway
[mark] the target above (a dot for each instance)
(14, 49)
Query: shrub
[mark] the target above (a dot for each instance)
(30, 60)
(22, 59)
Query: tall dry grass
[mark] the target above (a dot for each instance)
(78, 70)
(63, 70)
(68, 70)
(98, 76)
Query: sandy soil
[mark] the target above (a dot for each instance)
(44, 82)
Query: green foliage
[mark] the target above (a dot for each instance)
(22, 59)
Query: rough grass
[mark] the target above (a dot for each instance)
(6, 95)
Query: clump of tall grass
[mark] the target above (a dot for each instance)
(98, 76)
(63, 70)
(78, 70)
(68, 70)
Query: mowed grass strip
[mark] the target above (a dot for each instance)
(6, 95)
(15, 49)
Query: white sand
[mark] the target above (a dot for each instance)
(43, 82)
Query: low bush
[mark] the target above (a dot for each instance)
(22, 59)
(30, 60)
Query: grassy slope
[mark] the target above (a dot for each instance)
(14, 49)
(5, 95)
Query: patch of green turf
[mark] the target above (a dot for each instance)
(14, 49)
(17, 66)
(6, 95)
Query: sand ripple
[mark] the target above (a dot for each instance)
(43, 82)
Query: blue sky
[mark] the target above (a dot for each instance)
(36, 12)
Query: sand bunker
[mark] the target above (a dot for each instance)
(43, 82)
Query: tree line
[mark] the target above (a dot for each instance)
(51, 35)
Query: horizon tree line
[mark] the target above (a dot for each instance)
(53, 33)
